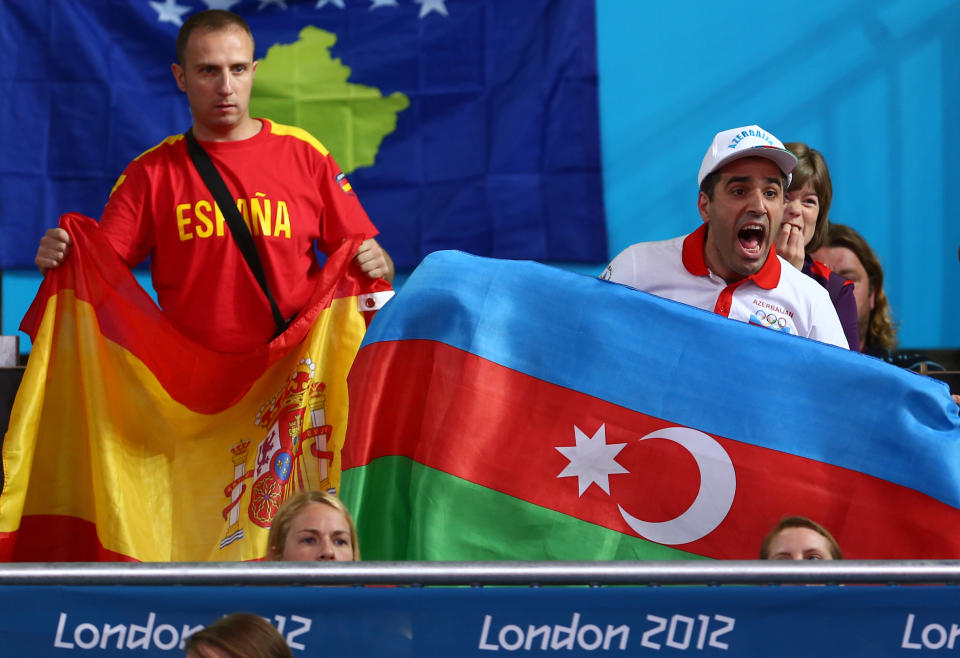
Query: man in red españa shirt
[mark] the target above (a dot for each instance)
(287, 187)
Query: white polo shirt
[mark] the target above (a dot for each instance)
(778, 296)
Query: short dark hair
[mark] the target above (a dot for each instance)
(799, 522)
(710, 182)
(241, 634)
(812, 168)
(210, 20)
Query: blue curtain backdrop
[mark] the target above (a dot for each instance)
(497, 152)
(873, 85)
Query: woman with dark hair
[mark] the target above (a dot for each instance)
(240, 635)
(313, 525)
(799, 538)
(804, 228)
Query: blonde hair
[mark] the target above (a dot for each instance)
(283, 519)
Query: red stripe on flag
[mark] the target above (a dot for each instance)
(456, 412)
(55, 538)
(204, 380)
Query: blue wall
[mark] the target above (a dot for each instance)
(873, 85)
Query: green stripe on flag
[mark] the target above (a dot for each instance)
(407, 511)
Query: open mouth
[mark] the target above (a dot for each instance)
(751, 238)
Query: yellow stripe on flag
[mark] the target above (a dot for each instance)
(94, 436)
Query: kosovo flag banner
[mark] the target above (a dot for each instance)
(465, 124)
(510, 410)
(128, 441)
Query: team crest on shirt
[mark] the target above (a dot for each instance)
(293, 455)
(770, 321)
(344, 183)
(772, 318)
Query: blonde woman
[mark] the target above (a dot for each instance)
(313, 525)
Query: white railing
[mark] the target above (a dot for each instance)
(730, 572)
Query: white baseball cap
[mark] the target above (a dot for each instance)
(746, 142)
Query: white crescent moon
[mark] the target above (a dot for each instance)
(718, 484)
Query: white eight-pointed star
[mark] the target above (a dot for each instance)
(592, 459)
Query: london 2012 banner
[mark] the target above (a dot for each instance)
(466, 124)
(510, 410)
(438, 622)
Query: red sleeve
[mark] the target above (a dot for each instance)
(343, 216)
(126, 218)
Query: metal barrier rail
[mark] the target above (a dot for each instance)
(729, 572)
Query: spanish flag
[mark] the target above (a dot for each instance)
(128, 441)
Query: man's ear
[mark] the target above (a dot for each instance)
(178, 76)
(703, 205)
(873, 298)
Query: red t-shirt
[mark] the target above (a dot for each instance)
(290, 192)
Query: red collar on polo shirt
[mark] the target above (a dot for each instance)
(767, 277)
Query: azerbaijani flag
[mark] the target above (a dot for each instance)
(127, 441)
(510, 410)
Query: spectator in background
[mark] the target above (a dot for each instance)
(313, 525)
(240, 635)
(799, 538)
(848, 254)
(805, 212)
